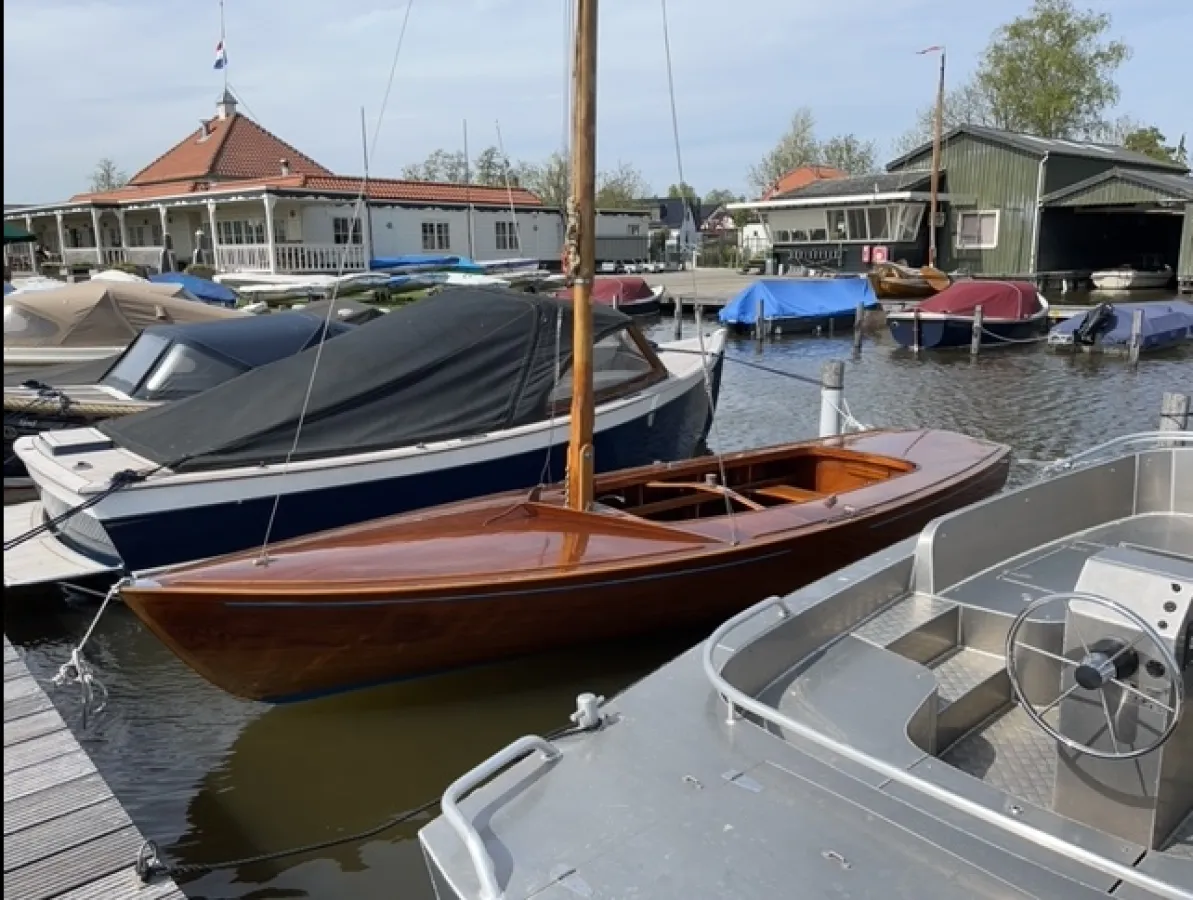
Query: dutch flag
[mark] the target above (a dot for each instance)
(221, 56)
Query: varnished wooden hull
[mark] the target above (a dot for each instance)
(280, 645)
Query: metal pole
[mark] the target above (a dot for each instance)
(468, 195)
(975, 341)
(832, 392)
(1174, 412)
(364, 195)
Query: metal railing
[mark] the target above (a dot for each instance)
(1143, 440)
(739, 702)
(482, 862)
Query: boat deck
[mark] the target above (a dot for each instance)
(900, 658)
(65, 834)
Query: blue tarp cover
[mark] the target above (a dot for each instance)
(207, 291)
(416, 259)
(8, 289)
(798, 298)
(1163, 321)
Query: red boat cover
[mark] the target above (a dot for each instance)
(998, 299)
(614, 290)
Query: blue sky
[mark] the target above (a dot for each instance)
(126, 79)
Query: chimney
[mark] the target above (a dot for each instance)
(225, 107)
(285, 166)
(204, 129)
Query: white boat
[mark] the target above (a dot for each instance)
(1129, 279)
(440, 400)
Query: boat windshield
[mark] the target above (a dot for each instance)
(617, 362)
(132, 367)
(25, 325)
(154, 368)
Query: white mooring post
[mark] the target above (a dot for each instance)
(859, 320)
(1174, 412)
(832, 396)
(1135, 341)
(975, 339)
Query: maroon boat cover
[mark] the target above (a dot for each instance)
(998, 299)
(614, 290)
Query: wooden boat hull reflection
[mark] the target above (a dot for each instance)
(485, 580)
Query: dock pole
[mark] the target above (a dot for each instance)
(698, 311)
(858, 320)
(678, 317)
(1174, 412)
(1135, 342)
(759, 325)
(915, 331)
(832, 394)
(975, 341)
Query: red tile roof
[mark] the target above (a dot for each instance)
(801, 176)
(380, 190)
(232, 148)
(237, 154)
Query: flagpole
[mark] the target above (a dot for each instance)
(223, 45)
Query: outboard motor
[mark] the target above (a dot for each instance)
(1096, 322)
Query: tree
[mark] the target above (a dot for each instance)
(493, 169)
(1051, 72)
(107, 177)
(799, 146)
(440, 165)
(550, 179)
(683, 189)
(621, 187)
(963, 105)
(1150, 141)
(720, 197)
(850, 154)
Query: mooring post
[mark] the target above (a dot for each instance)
(832, 394)
(975, 340)
(698, 310)
(1174, 412)
(859, 318)
(678, 317)
(759, 323)
(1135, 342)
(915, 330)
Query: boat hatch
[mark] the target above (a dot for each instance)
(74, 440)
(808, 474)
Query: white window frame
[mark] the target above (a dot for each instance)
(343, 228)
(505, 234)
(961, 244)
(240, 232)
(436, 235)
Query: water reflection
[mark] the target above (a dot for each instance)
(213, 777)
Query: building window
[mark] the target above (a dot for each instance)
(977, 230)
(635, 230)
(436, 236)
(342, 227)
(507, 236)
(241, 231)
(136, 236)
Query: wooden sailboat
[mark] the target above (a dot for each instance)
(657, 547)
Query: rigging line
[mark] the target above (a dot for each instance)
(687, 203)
(509, 190)
(361, 203)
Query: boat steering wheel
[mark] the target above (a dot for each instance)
(1103, 663)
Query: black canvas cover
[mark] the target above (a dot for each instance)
(464, 361)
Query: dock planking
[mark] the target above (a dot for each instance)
(66, 836)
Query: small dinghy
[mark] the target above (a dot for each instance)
(1107, 327)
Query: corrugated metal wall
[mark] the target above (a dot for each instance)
(980, 175)
(1185, 266)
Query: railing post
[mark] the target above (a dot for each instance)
(832, 392)
(1174, 412)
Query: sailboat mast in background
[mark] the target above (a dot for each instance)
(937, 128)
(582, 257)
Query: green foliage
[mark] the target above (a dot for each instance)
(1150, 141)
(799, 146)
(1051, 72)
(201, 271)
(683, 189)
(1048, 73)
(721, 196)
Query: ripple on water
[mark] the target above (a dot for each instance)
(212, 777)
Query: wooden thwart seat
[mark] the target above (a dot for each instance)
(704, 487)
(787, 492)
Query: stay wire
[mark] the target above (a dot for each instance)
(360, 204)
(687, 203)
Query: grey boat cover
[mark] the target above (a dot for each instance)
(466, 361)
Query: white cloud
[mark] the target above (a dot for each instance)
(128, 78)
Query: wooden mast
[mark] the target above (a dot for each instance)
(937, 128)
(583, 209)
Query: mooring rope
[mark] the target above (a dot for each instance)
(78, 671)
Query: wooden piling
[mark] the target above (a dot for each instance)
(915, 331)
(975, 340)
(678, 323)
(858, 322)
(1174, 412)
(1135, 342)
(759, 324)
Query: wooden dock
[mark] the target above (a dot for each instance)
(65, 833)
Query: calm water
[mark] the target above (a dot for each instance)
(212, 778)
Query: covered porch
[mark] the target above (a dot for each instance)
(232, 233)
